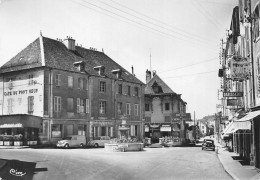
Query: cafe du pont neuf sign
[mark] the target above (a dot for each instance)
(232, 94)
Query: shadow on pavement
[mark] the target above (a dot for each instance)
(15, 169)
(241, 160)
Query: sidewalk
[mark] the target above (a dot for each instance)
(234, 167)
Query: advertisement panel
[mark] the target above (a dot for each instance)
(240, 68)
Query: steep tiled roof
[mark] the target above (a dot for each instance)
(29, 57)
(157, 80)
(57, 56)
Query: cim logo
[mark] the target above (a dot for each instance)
(16, 173)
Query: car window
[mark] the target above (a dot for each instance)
(67, 138)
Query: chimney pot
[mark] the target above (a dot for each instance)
(148, 76)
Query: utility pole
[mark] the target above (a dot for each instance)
(195, 129)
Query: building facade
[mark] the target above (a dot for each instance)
(53, 89)
(165, 111)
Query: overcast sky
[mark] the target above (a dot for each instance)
(182, 36)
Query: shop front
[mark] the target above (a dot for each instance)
(20, 129)
(102, 128)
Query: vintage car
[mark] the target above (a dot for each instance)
(99, 141)
(72, 141)
(208, 144)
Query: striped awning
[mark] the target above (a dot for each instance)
(249, 116)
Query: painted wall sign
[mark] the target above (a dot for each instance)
(232, 94)
(21, 92)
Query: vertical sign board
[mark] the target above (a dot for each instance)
(240, 68)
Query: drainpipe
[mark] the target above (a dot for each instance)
(253, 153)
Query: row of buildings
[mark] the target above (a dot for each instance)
(238, 120)
(54, 88)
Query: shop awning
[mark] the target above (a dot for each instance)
(235, 125)
(249, 116)
(20, 121)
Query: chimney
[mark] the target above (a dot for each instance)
(148, 76)
(69, 43)
(154, 73)
(133, 71)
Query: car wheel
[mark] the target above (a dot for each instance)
(96, 145)
(67, 146)
(213, 149)
(202, 148)
(81, 145)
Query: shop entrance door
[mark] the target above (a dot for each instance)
(155, 136)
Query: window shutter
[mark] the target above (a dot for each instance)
(78, 105)
(87, 105)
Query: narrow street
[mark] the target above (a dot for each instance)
(153, 163)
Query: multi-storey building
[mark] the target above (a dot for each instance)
(53, 88)
(165, 111)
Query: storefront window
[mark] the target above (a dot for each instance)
(56, 130)
(82, 129)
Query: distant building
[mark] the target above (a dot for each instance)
(53, 89)
(165, 111)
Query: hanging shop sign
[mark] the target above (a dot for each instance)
(240, 68)
(232, 94)
(232, 102)
(166, 127)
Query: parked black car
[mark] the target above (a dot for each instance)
(208, 144)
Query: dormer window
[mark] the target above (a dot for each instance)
(118, 73)
(100, 69)
(157, 88)
(80, 65)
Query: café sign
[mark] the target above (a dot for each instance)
(232, 94)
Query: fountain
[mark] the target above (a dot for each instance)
(124, 143)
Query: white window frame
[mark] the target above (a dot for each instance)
(128, 109)
(57, 104)
(102, 86)
(81, 109)
(30, 104)
(136, 109)
(80, 105)
(58, 79)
